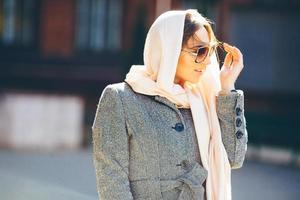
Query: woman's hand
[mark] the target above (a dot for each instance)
(233, 65)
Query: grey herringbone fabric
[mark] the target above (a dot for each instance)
(144, 147)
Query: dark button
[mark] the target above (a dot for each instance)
(184, 164)
(178, 127)
(239, 134)
(238, 122)
(238, 111)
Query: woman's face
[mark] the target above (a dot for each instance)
(187, 69)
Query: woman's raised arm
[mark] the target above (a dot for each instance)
(230, 110)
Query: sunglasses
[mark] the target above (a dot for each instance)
(204, 51)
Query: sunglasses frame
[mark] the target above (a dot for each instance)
(213, 46)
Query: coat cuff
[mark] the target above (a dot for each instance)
(232, 101)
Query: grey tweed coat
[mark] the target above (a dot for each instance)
(144, 147)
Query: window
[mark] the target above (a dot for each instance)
(17, 23)
(98, 25)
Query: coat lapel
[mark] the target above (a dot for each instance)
(165, 101)
(172, 105)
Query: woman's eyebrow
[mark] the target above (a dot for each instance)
(201, 45)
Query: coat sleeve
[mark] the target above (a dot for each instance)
(110, 148)
(230, 110)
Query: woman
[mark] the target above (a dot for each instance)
(175, 127)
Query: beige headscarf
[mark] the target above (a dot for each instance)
(156, 77)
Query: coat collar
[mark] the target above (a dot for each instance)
(161, 99)
(166, 101)
(172, 105)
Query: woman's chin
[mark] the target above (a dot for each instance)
(194, 80)
(190, 80)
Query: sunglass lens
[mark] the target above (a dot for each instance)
(202, 53)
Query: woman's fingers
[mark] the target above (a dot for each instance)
(233, 64)
(236, 53)
(227, 60)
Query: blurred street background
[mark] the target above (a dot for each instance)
(56, 56)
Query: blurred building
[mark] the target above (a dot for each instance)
(76, 47)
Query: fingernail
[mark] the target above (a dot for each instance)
(225, 44)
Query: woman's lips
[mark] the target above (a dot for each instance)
(199, 70)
